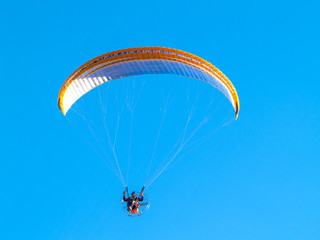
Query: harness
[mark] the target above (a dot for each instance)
(134, 201)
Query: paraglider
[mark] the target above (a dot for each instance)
(134, 202)
(128, 63)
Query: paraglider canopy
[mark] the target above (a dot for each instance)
(140, 61)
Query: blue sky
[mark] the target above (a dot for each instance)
(259, 181)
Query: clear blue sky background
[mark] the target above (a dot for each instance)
(263, 182)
